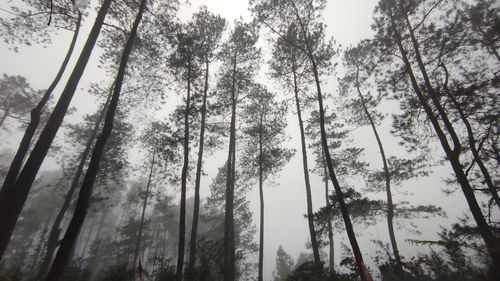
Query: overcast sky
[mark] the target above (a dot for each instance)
(348, 22)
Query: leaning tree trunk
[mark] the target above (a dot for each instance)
(56, 226)
(261, 197)
(331, 256)
(4, 116)
(453, 157)
(144, 205)
(13, 200)
(229, 247)
(182, 219)
(196, 208)
(472, 141)
(83, 201)
(387, 175)
(35, 114)
(363, 271)
(310, 216)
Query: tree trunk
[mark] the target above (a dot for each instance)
(310, 216)
(36, 112)
(83, 201)
(490, 241)
(56, 226)
(144, 205)
(229, 262)
(472, 142)
(331, 256)
(196, 207)
(365, 275)
(182, 219)
(13, 201)
(261, 197)
(390, 205)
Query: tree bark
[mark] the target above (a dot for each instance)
(182, 219)
(83, 201)
(331, 254)
(228, 250)
(14, 200)
(261, 197)
(490, 241)
(196, 207)
(144, 205)
(387, 175)
(55, 230)
(310, 216)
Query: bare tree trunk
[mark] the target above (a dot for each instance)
(36, 112)
(196, 207)
(331, 254)
(83, 201)
(14, 198)
(390, 205)
(229, 262)
(182, 219)
(310, 216)
(144, 205)
(56, 226)
(261, 197)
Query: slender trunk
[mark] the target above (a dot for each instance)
(229, 262)
(83, 201)
(196, 207)
(182, 219)
(36, 112)
(56, 226)
(331, 253)
(365, 275)
(472, 142)
(14, 200)
(261, 196)
(387, 175)
(144, 205)
(489, 239)
(310, 216)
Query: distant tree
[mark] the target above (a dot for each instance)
(17, 97)
(284, 265)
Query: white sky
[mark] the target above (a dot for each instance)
(348, 22)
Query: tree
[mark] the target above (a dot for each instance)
(287, 60)
(284, 265)
(264, 153)
(13, 197)
(395, 29)
(303, 17)
(208, 29)
(360, 67)
(88, 182)
(239, 56)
